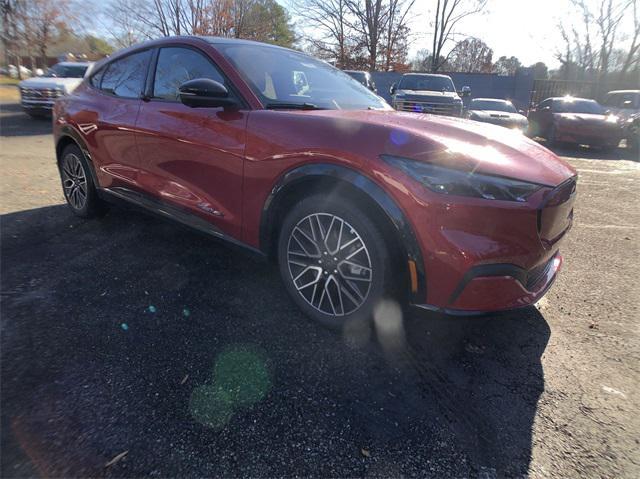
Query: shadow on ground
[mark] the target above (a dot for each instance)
(129, 334)
(14, 122)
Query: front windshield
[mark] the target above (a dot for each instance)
(492, 105)
(426, 83)
(578, 106)
(280, 76)
(66, 71)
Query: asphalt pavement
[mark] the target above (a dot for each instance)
(133, 347)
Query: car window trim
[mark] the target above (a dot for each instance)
(105, 68)
(151, 77)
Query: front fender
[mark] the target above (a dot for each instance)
(365, 186)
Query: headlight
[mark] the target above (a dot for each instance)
(460, 183)
(612, 119)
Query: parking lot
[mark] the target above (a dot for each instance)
(118, 335)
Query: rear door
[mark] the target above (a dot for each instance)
(192, 157)
(112, 122)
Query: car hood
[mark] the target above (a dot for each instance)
(68, 84)
(498, 115)
(454, 143)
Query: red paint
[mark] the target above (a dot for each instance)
(209, 159)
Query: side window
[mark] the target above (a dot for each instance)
(627, 101)
(125, 78)
(544, 104)
(177, 65)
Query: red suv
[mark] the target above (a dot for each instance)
(277, 151)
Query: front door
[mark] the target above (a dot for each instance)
(193, 157)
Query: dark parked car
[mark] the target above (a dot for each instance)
(426, 93)
(622, 103)
(364, 78)
(632, 132)
(575, 120)
(354, 201)
(498, 112)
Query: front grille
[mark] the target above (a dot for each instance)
(428, 107)
(40, 94)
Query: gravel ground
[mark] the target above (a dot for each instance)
(134, 347)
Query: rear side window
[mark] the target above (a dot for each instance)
(177, 65)
(125, 77)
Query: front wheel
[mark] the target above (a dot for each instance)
(333, 260)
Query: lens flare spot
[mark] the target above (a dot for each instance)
(240, 379)
(389, 323)
(398, 137)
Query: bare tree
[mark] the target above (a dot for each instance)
(41, 20)
(329, 19)
(589, 49)
(633, 55)
(397, 30)
(448, 14)
(369, 21)
(471, 55)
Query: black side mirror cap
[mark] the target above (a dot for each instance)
(205, 93)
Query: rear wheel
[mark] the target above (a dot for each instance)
(77, 184)
(333, 260)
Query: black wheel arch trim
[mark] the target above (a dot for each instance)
(68, 132)
(363, 184)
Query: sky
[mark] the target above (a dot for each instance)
(527, 29)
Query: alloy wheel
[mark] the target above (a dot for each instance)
(329, 264)
(74, 181)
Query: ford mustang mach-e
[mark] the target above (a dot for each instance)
(282, 153)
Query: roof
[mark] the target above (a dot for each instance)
(73, 64)
(569, 98)
(426, 75)
(623, 91)
(492, 99)
(354, 71)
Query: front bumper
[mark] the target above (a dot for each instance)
(483, 257)
(605, 136)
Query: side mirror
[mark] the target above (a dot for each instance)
(545, 108)
(205, 93)
(393, 89)
(466, 91)
(522, 112)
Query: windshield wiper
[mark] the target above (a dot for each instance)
(291, 106)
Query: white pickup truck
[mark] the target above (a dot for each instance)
(38, 94)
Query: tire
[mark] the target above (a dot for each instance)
(353, 262)
(77, 184)
(551, 136)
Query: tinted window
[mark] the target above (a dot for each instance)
(271, 73)
(426, 83)
(492, 105)
(578, 106)
(178, 65)
(125, 77)
(629, 100)
(66, 71)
